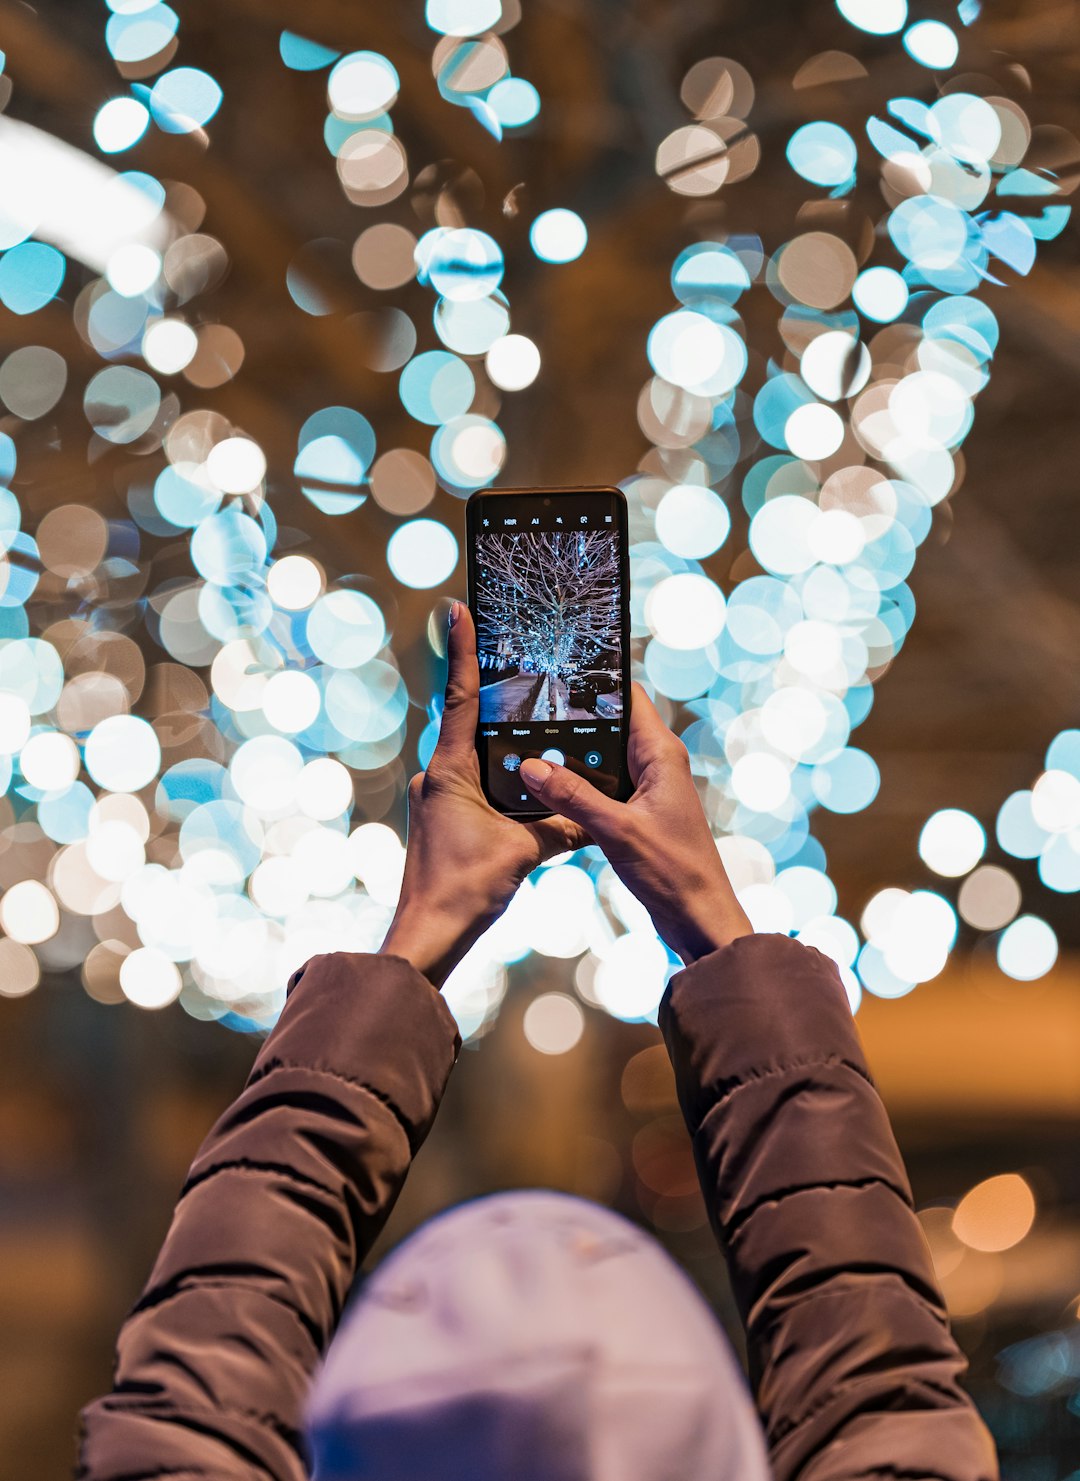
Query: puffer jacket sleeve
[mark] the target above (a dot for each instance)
(855, 1370)
(284, 1199)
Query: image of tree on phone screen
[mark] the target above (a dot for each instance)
(548, 626)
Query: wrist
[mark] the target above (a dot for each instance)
(432, 940)
(710, 926)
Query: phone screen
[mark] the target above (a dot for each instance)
(548, 588)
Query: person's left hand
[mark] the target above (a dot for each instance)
(464, 860)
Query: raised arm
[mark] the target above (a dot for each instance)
(855, 1370)
(296, 1180)
(283, 1200)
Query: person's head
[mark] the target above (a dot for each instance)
(532, 1337)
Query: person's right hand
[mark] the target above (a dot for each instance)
(659, 843)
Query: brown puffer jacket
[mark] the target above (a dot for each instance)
(855, 1371)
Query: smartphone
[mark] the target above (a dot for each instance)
(549, 589)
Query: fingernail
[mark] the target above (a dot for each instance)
(535, 773)
(455, 612)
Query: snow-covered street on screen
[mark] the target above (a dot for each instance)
(529, 697)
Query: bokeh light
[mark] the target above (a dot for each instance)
(184, 99)
(119, 124)
(513, 362)
(149, 979)
(932, 43)
(996, 1214)
(30, 276)
(422, 553)
(880, 294)
(1027, 949)
(29, 913)
(294, 582)
(952, 842)
(169, 345)
(823, 153)
(879, 17)
(989, 898)
(558, 235)
(362, 85)
(462, 17)
(20, 970)
(553, 1023)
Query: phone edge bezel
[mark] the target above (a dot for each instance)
(566, 490)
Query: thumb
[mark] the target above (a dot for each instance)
(461, 709)
(571, 796)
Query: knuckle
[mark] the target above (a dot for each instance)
(458, 692)
(673, 750)
(432, 779)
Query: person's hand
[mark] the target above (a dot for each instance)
(659, 843)
(464, 860)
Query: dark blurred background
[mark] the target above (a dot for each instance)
(102, 1105)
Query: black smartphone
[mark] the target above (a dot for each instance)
(549, 589)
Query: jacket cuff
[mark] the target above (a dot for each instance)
(372, 1019)
(781, 1004)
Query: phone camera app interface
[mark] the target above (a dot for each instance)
(549, 637)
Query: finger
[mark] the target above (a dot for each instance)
(572, 796)
(461, 707)
(558, 836)
(650, 739)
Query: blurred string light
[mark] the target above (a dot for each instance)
(1040, 823)
(210, 849)
(862, 420)
(204, 849)
(472, 66)
(462, 265)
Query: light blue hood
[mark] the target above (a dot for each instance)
(532, 1337)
